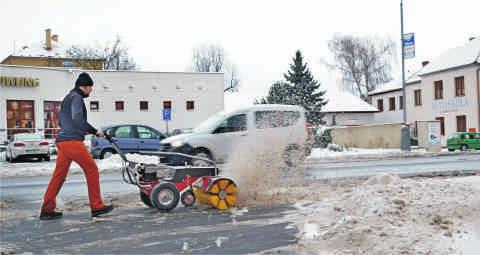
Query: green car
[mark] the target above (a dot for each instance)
(463, 141)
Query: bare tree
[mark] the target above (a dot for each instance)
(364, 62)
(212, 58)
(115, 54)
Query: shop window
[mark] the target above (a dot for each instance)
(442, 124)
(143, 105)
(391, 104)
(20, 116)
(190, 105)
(461, 123)
(401, 102)
(94, 106)
(50, 113)
(438, 90)
(418, 97)
(459, 86)
(380, 105)
(119, 106)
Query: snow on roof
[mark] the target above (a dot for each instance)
(38, 50)
(455, 57)
(387, 87)
(339, 101)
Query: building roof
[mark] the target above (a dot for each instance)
(339, 101)
(456, 57)
(395, 85)
(38, 50)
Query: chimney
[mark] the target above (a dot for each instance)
(48, 39)
(55, 38)
(424, 63)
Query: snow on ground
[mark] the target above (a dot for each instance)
(113, 163)
(389, 215)
(349, 152)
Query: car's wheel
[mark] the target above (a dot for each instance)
(188, 198)
(201, 153)
(293, 155)
(464, 147)
(146, 199)
(165, 196)
(46, 158)
(107, 153)
(451, 149)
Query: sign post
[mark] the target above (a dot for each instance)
(405, 130)
(167, 116)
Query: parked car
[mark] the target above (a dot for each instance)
(27, 145)
(221, 135)
(463, 141)
(130, 138)
(180, 131)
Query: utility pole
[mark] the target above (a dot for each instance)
(405, 131)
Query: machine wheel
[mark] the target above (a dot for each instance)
(463, 147)
(203, 153)
(146, 199)
(106, 153)
(293, 155)
(188, 198)
(165, 196)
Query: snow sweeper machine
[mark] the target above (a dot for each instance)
(163, 185)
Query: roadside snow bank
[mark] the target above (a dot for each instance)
(389, 215)
(352, 152)
(113, 163)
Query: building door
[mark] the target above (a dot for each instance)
(20, 117)
(50, 118)
(462, 123)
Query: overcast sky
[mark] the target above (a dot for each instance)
(259, 36)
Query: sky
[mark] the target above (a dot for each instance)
(260, 37)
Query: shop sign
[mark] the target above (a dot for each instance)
(449, 104)
(7, 81)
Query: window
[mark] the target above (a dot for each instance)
(50, 118)
(274, 119)
(94, 106)
(235, 123)
(461, 123)
(459, 86)
(190, 105)
(401, 102)
(442, 124)
(167, 104)
(438, 90)
(418, 97)
(124, 132)
(380, 104)
(148, 133)
(143, 105)
(391, 103)
(119, 105)
(20, 116)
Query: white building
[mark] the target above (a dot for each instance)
(30, 97)
(447, 90)
(345, 109)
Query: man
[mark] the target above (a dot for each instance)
(73, 127)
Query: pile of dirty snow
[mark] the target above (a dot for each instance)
(389, 215)
(337, 152)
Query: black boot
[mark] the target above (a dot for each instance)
(106, 209)
(50, 215)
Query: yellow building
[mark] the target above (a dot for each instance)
(50, 53)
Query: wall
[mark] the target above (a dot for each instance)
(450, 106)
(206, 89)
(371, 136)
(349, 119)
(88, 64)
(388, 116)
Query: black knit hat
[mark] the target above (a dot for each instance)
(83, 80)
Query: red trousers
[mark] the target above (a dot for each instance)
(76, 151)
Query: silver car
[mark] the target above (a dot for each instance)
(27, 145)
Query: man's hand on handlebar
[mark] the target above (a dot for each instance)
(100, 133)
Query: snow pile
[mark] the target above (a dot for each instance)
(334, 152)
(389, 215)
(113, 163)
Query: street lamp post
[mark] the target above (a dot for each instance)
(405, 133)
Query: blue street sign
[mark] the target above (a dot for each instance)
(167, 114)
(408, 42)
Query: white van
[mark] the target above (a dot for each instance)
(221, 135)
